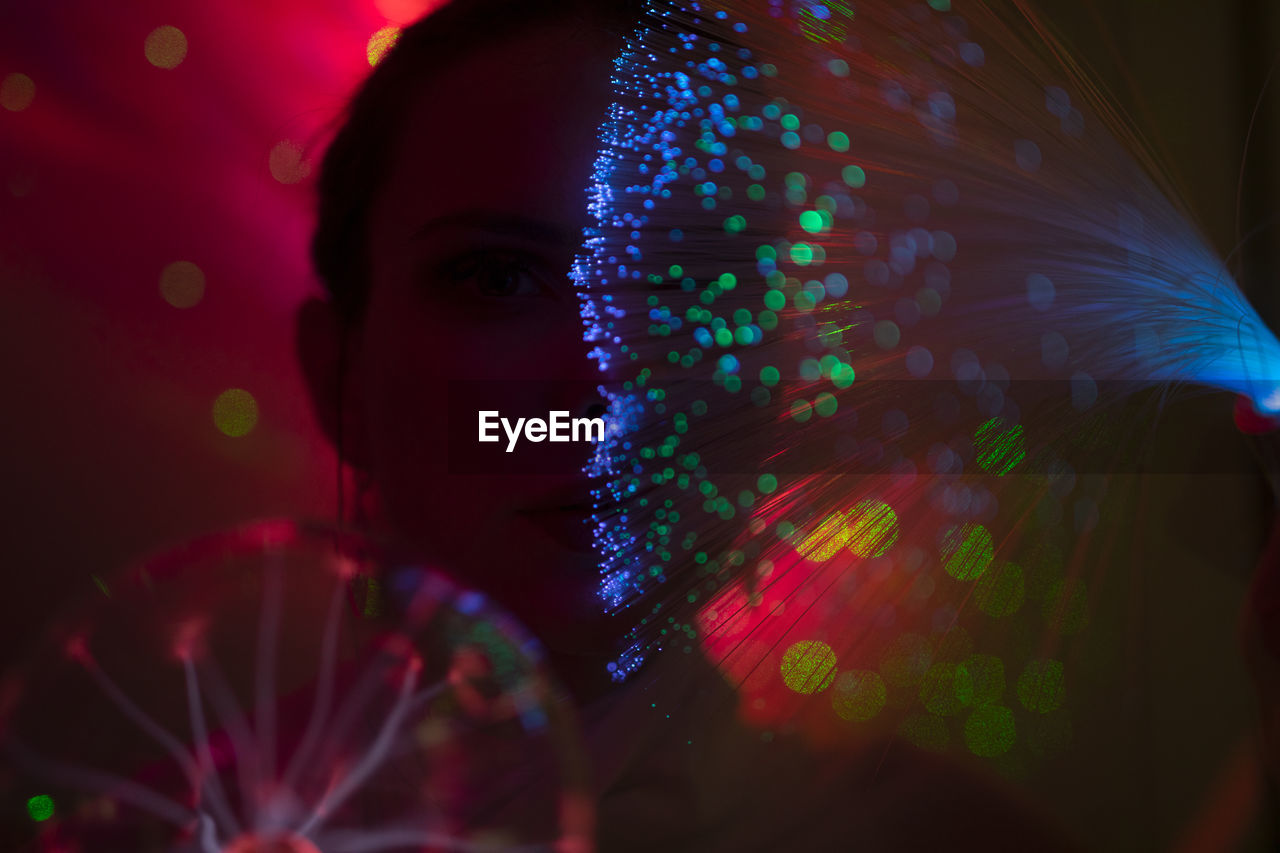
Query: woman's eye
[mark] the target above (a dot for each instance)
(497, 276)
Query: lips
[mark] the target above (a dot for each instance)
(560, 512)
(584, 507)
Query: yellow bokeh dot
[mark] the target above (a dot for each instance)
(381, 42)
(235, 412)
(868, 530)
(182, 284)
(808, 667)
(166, 47)
(17, 91)
(873, 528)
(287, 164)
(827, 540)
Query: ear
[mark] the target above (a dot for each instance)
(328, 346)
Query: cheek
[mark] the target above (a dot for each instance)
(412, 363)
(403, 380)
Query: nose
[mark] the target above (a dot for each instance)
(578, 381)
(579, 400)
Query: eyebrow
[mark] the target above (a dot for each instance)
(509, 224)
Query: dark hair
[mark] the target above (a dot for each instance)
(354, 166)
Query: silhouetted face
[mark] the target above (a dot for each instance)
(472, 239)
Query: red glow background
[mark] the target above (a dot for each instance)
(114, 170)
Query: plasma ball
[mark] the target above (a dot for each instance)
(352, 768)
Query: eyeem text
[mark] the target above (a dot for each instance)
(557, 427)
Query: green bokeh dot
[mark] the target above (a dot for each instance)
(999, 447)
(854, 176)
(825, 404)
(40, 807)
(1041, 687)
(967, 551)
(858, 695)
(887, 334)
(990, 731)
(811, 221)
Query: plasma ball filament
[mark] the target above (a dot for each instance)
(558, 427)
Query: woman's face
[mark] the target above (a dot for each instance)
(471, 241)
